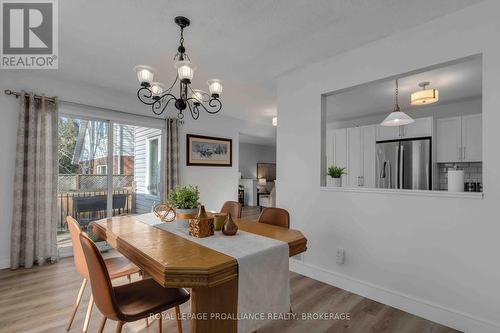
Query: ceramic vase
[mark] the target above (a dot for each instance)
(229, 228)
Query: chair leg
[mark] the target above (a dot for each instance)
(159, 324)
(178, 319)
(89, 312)
(101, 326)
(119, 327)
(77, 303)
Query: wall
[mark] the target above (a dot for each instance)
(217, 184)
(251, 154)
(432, 256)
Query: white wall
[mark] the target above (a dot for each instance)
(435, 257)
(251, 154)
(217, 184)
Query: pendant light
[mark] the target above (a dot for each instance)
(424, 96)
(397, 117)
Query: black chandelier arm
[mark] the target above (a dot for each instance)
(195, 112)
(160, 105)
(213, 103)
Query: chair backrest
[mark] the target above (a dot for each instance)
(275, 216)
(75, 230)
(102, 289)
(233, 208)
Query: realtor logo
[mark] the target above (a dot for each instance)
(29, 33)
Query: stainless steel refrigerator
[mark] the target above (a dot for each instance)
(404, 164)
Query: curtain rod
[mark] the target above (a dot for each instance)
(18, 94)
(52, 99)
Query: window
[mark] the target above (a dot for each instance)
(153, 165)
(102, 169)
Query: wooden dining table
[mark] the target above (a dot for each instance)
(174, 261)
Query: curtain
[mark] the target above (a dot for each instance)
(171, 156)
(34, 221)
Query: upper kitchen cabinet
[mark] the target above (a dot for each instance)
(459, 139)
(421, 127)
(448, 139)
(472, 138)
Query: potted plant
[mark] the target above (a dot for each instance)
(185, 200)
(335, 174)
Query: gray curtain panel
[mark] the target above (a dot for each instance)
(34, 221)
(171, 156)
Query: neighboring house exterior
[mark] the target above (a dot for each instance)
(92, 147)
(147, 168)
(136, 152)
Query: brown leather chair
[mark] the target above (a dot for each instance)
(116, 266)
(275, 216)
(129, 302)
(233, 208)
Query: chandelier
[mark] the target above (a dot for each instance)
(154, 93)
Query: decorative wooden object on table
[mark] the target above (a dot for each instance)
(202, 225)
(164, 212)
(219, 219)
(229, 228)
(174, 261)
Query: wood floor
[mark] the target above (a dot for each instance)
(41, 299)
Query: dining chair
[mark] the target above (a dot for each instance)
(233, 208)
(116, 266)
(275, 216)
(129, 302)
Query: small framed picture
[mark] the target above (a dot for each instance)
(208, 151)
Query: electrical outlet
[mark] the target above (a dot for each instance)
(340, 255)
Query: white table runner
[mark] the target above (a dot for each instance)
(262, 269)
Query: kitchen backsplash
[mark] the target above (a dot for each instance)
(473, 172)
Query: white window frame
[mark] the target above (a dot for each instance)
(100, 168)
(160, 156)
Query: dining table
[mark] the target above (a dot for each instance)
(176, 262)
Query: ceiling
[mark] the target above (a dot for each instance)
(257, 140)
(246, 43)
(456, 82)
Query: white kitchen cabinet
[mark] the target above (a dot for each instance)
(421, 127)
(388, 132)
(368, 176)
(354, 157)
(448, 139)
(472, 140)
(459, 139)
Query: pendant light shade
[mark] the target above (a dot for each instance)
(157, 88)
(215, 87)
(185, 70)
(145, 74)
(424, 96)
(397, 117)
(198, 95)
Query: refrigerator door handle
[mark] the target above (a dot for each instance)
(400, 166)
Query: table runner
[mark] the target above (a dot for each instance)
(262, 269)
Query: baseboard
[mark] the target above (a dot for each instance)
(4, 263)
(434, 312)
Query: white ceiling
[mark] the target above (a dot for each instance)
(246, 43)
(455, 82)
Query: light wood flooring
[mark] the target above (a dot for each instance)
(41, 299)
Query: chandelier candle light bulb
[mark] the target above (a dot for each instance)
(145, 74)
(215, 87)
(185, 70)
